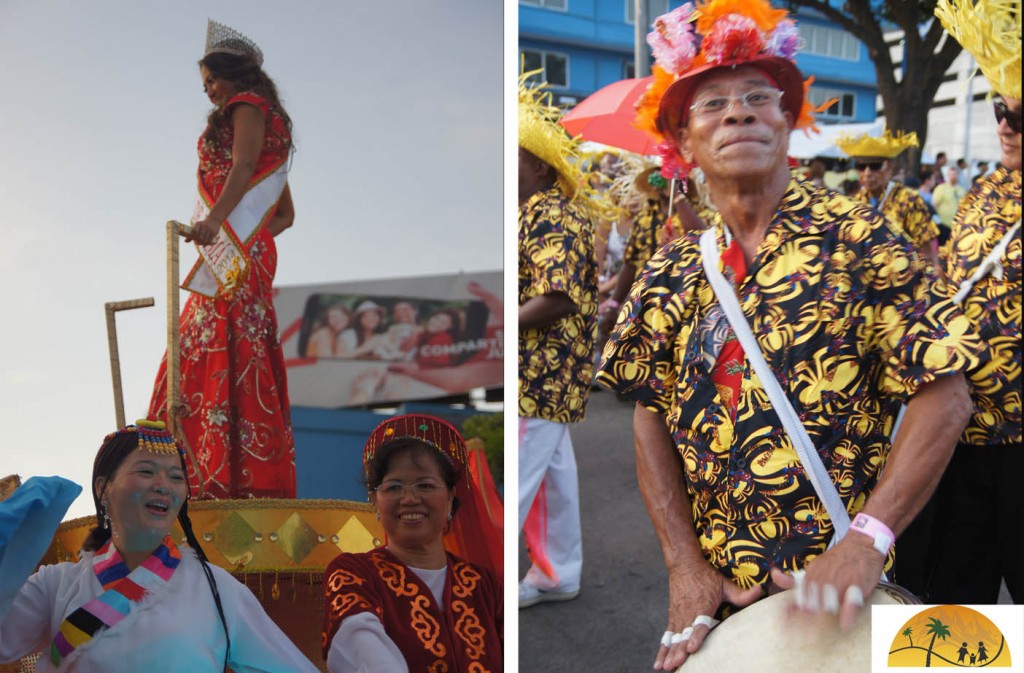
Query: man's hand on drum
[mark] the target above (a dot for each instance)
(696, 590)
(838, 581)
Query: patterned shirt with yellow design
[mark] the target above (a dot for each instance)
(993, 305)
(556, 254)
(644, 236)
(907, 210)
(843, 311)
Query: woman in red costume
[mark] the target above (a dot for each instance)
(234, 410)
(413, 604)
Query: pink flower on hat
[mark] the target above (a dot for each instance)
(784, 40)
(672, 41)
(733, 38)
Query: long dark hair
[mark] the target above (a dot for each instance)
(115, 448)
(246, 75)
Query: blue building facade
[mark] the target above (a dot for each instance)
(583, 45)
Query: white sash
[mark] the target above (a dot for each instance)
(224, 263)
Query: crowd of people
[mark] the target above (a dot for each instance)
(823, 395)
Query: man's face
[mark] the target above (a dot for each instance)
(874, 172)
(952, 176)
(534, 175)
(1009, 140)
(739, 141)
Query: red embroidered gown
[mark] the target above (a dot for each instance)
(466, 637)
(237, 417)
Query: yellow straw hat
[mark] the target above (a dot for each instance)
(887, 145)
(542, 136)
(990, 30)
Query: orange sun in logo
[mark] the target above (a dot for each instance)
(949, 635)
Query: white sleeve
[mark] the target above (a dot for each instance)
(26, 628)
(257, 644)
(361, 646)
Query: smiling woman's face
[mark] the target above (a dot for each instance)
(413, 520)
(143, 498)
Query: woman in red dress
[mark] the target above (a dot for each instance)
(234, 410)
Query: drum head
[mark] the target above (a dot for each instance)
(772, 635)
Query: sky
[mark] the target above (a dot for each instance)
(398, 172)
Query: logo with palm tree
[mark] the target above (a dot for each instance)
(953, 635)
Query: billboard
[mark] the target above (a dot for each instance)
(391, 340)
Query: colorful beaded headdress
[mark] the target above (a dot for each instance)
(221, 39)
(990, 30)
(887, 146)
(691, 41)
(153, 437)
(439, 435)
(542, 136)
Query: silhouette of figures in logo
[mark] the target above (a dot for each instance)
(982, 654)
(962, 652)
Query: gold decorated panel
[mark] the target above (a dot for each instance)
(259, 535)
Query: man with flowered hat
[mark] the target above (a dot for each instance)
(557, 327)
(974, 528)
(905, 208)
(838, 305)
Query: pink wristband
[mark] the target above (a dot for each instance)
(874, 529)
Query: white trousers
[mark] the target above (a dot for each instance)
(547, 475)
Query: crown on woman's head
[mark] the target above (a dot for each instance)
(153, 437)
(221, 39)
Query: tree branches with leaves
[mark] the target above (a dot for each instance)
(907, 88)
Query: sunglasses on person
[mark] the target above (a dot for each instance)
(875, 166)
(1003, 111)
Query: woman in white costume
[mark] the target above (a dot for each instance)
(136, 601)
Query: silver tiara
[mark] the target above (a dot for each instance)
(225, 40)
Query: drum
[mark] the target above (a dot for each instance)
(772, 635)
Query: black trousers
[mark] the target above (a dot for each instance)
(970, 536)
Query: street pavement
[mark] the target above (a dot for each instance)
(616, 622)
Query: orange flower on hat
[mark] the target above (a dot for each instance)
(761, 13)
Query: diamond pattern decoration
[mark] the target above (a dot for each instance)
(296, 538)
(354, 537)
(234, 538)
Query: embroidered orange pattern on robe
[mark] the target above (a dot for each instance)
(465, 636)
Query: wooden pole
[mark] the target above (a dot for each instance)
(174, 230)
(112, 307)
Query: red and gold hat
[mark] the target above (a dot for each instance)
(440, 435)
(690, 42)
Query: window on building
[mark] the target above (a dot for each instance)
(655, 8)
(843, 109)
(824, 41)
(560, 5)
(628, 69)
(554, 67)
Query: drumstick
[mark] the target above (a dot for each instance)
(174, 230)
(111, 307)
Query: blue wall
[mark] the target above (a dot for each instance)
(329, 446)
(598, 41)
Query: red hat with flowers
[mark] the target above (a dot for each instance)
(690, 42)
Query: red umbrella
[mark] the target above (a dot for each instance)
(606, 117)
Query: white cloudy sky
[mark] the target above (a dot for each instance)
(397, 110)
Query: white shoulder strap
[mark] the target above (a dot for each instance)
(809, 458)
(990, 264)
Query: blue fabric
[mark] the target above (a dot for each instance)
(28, 520)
